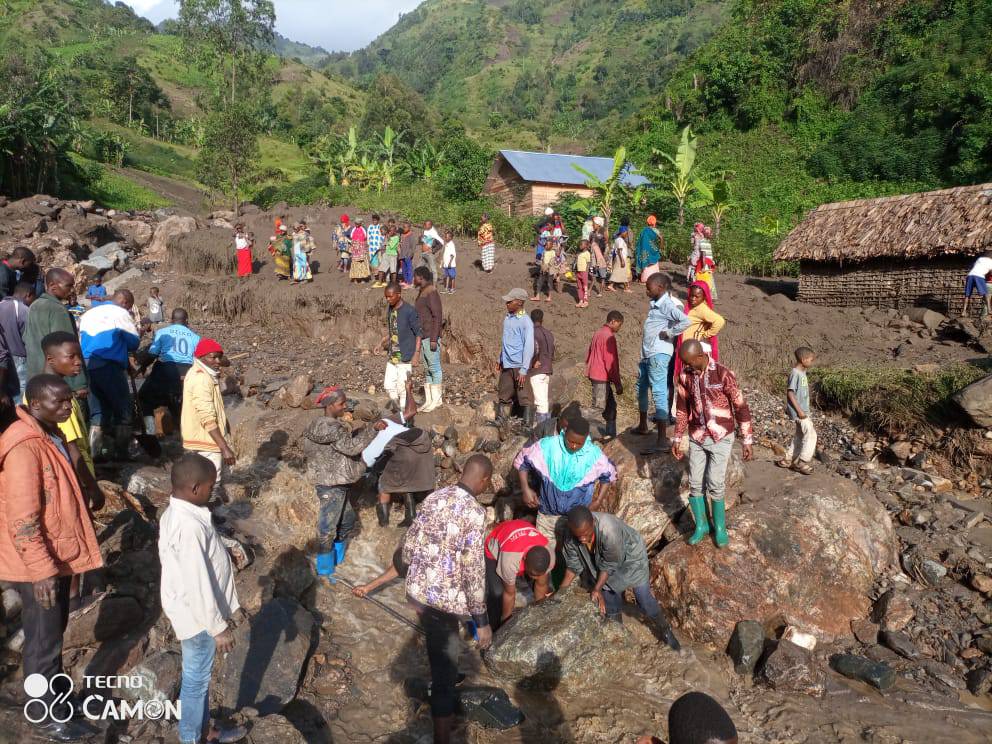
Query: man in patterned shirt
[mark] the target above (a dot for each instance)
(446, 580)
(710, 407)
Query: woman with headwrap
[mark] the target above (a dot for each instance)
(599, 269)
(301, 256)
(281, 250)
(697, 235)
(649, 245)
(704, 325)
(620, 273)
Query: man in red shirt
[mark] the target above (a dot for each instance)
(514, 548)
(710, 407)
(603, 370)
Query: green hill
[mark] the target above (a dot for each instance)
(532, 72)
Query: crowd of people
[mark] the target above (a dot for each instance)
(70, 401)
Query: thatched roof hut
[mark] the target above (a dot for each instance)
(895, 251)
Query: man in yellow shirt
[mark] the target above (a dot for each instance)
(203, 421)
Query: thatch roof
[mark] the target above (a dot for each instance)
(948, 222)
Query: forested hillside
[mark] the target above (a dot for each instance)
(533, 72)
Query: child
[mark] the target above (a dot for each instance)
(542, 365)
(198, 593)
(96, 292)
(705, 264)
(377, 240)
(448, 260)
(603, 370)
(800, 452)
(582, 262)
(64, 358)
(392, 252)
(156, 306)
(544, 277)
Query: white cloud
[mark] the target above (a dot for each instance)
(332, 24)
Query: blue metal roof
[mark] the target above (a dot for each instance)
(550, 168)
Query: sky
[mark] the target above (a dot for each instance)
(335, 25)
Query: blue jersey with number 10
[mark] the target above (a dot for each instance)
(174, 343)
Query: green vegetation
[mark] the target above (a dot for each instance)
(894, 401)
(91, 180)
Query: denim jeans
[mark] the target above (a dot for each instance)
(21, 369)
(708, 466)
(653, 376)
(432, 362)
(198, 659)
(645, 600)
(406, 268)
(336, 516)
(110, 399)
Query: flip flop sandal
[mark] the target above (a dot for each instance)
(783, 464)
(803, 468)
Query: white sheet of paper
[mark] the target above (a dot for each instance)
(371, 453)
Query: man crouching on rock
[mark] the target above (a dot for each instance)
(613, 554)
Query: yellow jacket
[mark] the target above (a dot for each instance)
(203, 409)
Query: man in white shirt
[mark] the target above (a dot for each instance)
(198, 594)
(976, 282)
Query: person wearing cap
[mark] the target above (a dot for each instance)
(203, 421)
(516, 355)
(486, 238)
(333, 452)
(342, 240)
(648, 251)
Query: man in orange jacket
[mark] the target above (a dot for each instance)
(46, 537)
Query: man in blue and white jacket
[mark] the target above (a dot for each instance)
(108, 335)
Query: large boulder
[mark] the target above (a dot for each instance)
(269, 658)
(138, 233)
(93, 229)
(168, 230)
(541, 643)
(804, 552)
(160, 675)
(976, 401)
(102, 620)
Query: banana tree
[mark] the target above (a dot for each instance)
(717, 197)
(678, 170)
(608, 190)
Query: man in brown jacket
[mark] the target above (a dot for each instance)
(46, 537)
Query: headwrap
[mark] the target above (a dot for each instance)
(598, 221)
(712, 341)
(698, 228)
(207, 346)
(344, 219)
(652, 220)
(548, 212)
(326, 393)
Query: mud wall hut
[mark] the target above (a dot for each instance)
(525, 183)
(892, 252)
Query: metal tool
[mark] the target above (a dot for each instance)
(385, 607)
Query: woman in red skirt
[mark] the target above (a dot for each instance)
(242, 248)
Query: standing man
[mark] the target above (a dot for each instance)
(172, 354)
(486, 238)
(603, 369)
(48, 315)
(203, 423)
(664, 323)
(612, 553)
(515, 357)
(107, 336)
(569, 470)
(977, 281)
(446, 580)
(402, 343)
(542, 366)
(13, 355)
(710, 407)
(431, 322)
(515, 548)
(46, 537)
(20, 266)
(408, 247)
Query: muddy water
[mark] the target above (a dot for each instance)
(616, 700)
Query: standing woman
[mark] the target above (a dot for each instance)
(704, 325)
(697, 236)
(649, 245)
(486, 238)
(600, 269)
(359, 271)
(242, 249)
(301, 259)
(620, 273)
(281, 250)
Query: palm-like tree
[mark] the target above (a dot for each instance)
(678, 170)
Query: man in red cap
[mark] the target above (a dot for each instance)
(203, 421)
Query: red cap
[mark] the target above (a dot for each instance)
(344, 219)
(207, 346)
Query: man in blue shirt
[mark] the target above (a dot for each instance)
(664, 323)
(172, 354)
(515, 357)
(96, 292)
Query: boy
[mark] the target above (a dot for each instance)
(582, 262)
(203, 421)
(392, 253)
(156, 306)
(800, 452)
(541, 367)
(376, 237)
(198, 593)
(977, 281)
(603, 370)
(96, 292)
(448, 260)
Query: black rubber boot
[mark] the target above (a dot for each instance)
(528, 417)
(502, 413)
(665, 633)
(382, 512)
(409, 510)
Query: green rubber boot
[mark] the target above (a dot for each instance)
(698, 506)
(719, 523)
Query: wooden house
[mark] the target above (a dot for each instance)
(525, 183)
(897, 252)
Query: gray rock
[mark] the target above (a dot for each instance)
(874, 673)
(160, 676)
(274, 729)
(97, 264)
(746, 645)
(540, 642)
(976, 401)
(122, 281)
(899, 642)
(893, 610)
(927, 317)
(269, 657)
(107, 250)
(979, 680)
(791, 668)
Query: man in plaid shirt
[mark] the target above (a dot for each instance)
(710, 407)
(376, 237)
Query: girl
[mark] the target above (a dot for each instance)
(448, 259)
(582, 262)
